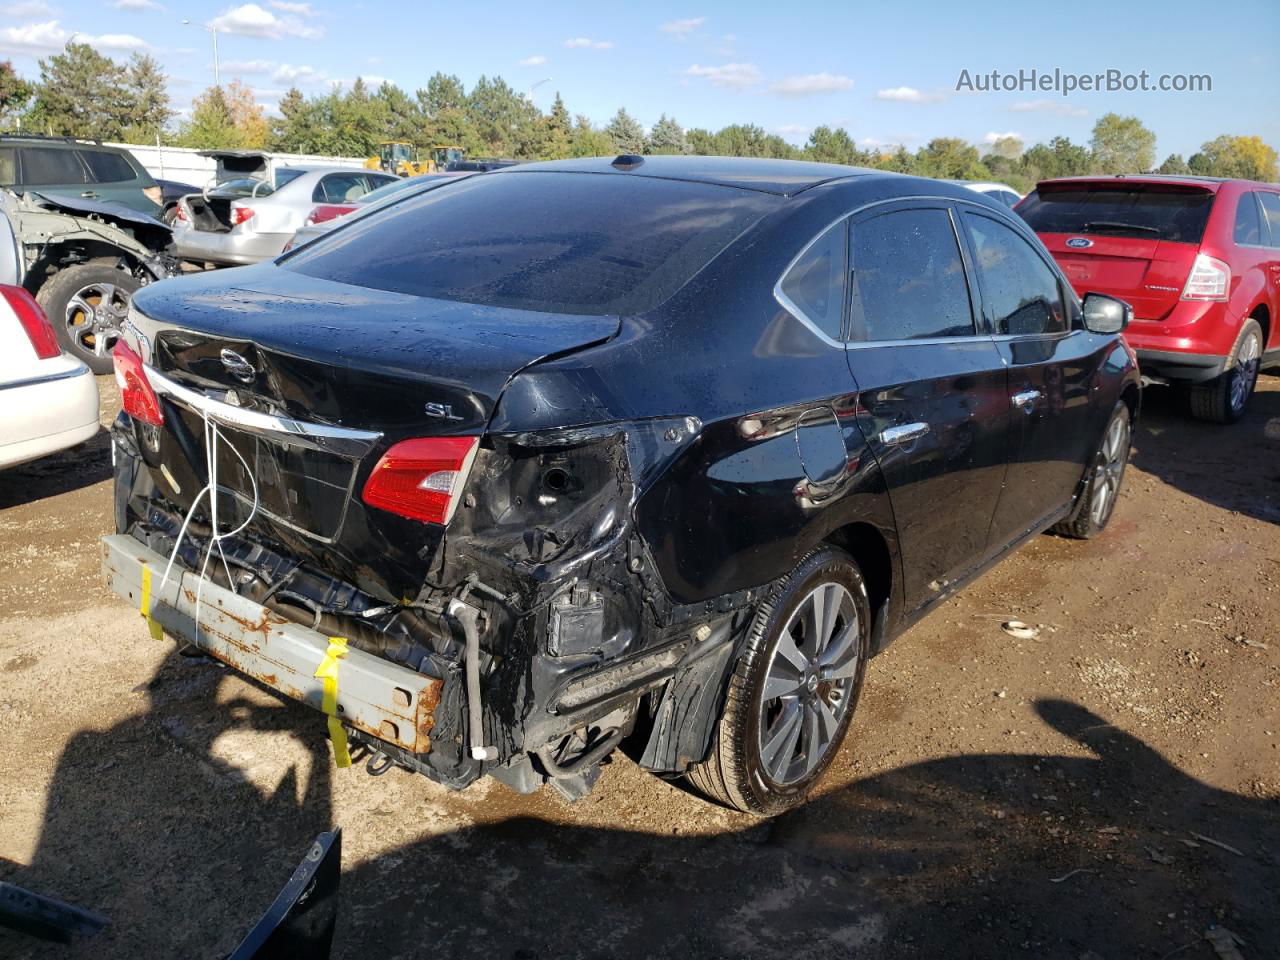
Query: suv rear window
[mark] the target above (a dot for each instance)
(553, 242)
(50, 166)
(107, 167)
(1157, 210)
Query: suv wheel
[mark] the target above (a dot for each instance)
(1224, 399)
(793, 693)
(87, 305)
(1102, 485)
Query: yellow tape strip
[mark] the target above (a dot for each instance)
(144, 605)
(328, 672)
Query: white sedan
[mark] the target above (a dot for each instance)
(48, 399)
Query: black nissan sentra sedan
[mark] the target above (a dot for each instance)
(660, 448)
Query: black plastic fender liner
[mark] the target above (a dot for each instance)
(691, 703)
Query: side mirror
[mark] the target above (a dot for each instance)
(1104, 314)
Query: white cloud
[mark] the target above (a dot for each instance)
(993, 136)
(735, 76)
(586, 43)
(251, 20)
(1060, 107)
(680, 29)
(248, 67)
(288, 74)
(536, 60)
(373, 81)
(909, 95)
(28, 10)
(137, 6)
(51, 37)
(808, 84)
(795, 131)
(301, 9)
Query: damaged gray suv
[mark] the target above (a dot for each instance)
(650, 452)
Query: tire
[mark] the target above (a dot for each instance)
(1225, 398)
(770, 747)
(1106, 475)
(87, 304)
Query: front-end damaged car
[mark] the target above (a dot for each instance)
(568, 454)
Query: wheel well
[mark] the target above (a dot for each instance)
(1263, 316)
(867, 546)
(1131, 397)
(61, 255)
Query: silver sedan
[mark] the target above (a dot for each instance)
(249, 220)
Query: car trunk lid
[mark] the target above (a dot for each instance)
(309, 382)
(1148, 274)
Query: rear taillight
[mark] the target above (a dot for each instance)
(36, 325)
(180, 212)
(1209, 280)
(422, 478)
(240, 215)
(139, 400)
(329, 211)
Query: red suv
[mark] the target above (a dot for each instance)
(1198, 259)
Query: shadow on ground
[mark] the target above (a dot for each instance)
(81, 466)
(976, 856)
(1216, 463)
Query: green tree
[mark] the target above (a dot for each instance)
(146, 99)
(701, 142)
(588, 141)
(1228, 156)
(1174, 164)
(211, 125)
(1009, 147)
(1122, 145)
(1058, 158)
(559, 131)
(833, 146)
(950, 158)
(626, 133)
(81, 93)
(667, 136)
(15, 92)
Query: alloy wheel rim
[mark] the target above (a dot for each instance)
(808, 685)
(1109, 470)
(94, 317)
(1246, 372)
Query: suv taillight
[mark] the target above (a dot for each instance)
(1209, 279)
(240, 214)
(422, 478)
(136, 395)
(36, 325)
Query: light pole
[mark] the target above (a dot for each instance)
(217, 76)
(536, 85)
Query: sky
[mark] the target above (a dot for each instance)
(887, 72)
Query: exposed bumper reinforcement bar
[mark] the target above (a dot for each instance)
(387, 701)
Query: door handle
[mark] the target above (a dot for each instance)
(1025, 399)
(89, 195)
(903, 434)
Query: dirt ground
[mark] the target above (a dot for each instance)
(1108, 790)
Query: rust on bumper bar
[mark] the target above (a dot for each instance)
(383, 699)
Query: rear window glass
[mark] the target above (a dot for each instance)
(45, 166)
(253, 187)
(8, 165)
(108, 167)
(551, 242)
(1159, 211)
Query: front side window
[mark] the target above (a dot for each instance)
(1021, 293)
(108, 167)
(815, 284)
(908, 279)
(1271, 213)
(48, 166)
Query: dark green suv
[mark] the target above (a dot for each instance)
(77, 168)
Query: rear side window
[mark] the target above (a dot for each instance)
(815, 284)
(1159, 211)
(46, 166)
(908, 279)
(1248, 227)
(552, 242)
(1020, 292)
(108, 167)
(340, 187)
(8, 166)
(1271, 213)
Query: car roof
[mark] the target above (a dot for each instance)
(1178, 179)
(78, 143)
(782, 177)
(982, 185)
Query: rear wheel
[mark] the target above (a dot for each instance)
(793, 693)
(1224, 399)
(1106, 473)
(87, 305)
